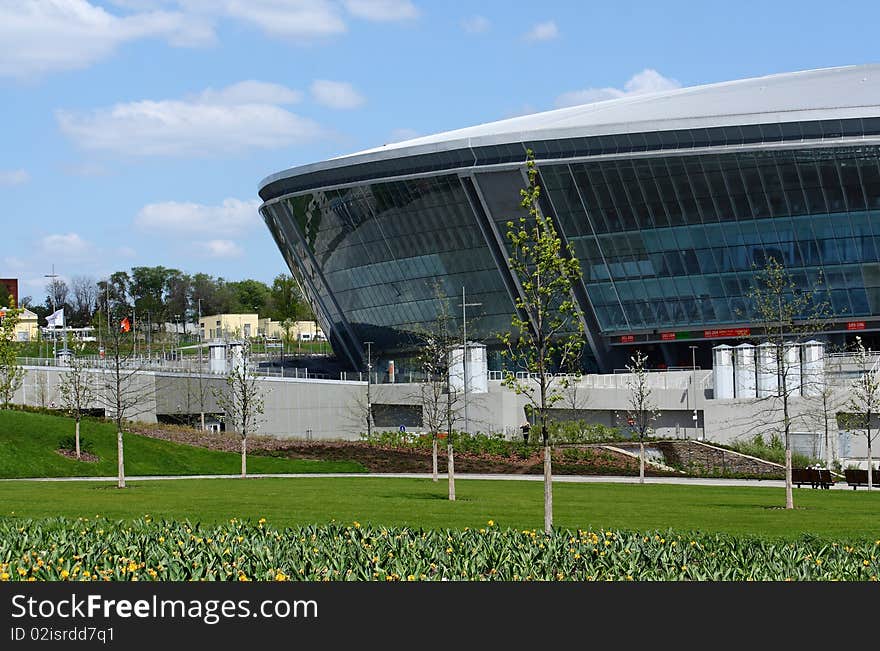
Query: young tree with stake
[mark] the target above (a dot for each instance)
(76, 392)
(547, 329)
(641, 413)
(864, 399)
(786, 315)
(242, 399)
(124, 390)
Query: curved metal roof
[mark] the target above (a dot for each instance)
(827, 93)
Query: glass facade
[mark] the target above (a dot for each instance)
(672, 242)
(668, 233)
(384, 253)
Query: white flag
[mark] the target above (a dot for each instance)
(56, 319)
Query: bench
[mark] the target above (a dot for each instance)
(856, 477)
(815, 477)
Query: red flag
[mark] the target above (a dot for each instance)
(125, 325)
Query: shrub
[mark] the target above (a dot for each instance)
(772, 450)
(69, 443)
(578, 431)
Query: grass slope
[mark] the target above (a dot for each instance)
(423, 503)
(28, 444)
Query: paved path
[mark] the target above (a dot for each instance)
(558, 479)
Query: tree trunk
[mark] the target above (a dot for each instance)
(78, 456)
(202, 415)
(789, 498)
(121, 458)
(870, 464)
(243, 457)
(641, 462)
(450, 465)
(548, 489)
(434, 457)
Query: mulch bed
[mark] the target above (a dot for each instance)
(395, 460)
(84, 456)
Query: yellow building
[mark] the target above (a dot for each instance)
(27, 328)
(299, 330)
(228, 326)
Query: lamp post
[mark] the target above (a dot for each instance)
(464, 352)
(694, 384)
(53, 276)
(369, 406)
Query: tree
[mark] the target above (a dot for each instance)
(548, 332)
(76, 393)
(250, 296)
(825, 401)
(436, 395)
(286, 300)
(641, 412)
(242, 399)
(11, 373)
(83, 303)
(124, 391)
(786, 315)
(864, 398)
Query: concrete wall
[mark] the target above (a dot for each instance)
(330, 409)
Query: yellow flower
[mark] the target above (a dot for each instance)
(242, 577)
(281, 576)
(161, 538)
(865, 563)
(22, 571)
(64, 574)
(491, 523)
(4, 576)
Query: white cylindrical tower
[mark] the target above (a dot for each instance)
(722, 371)
(812, 368)
(217, 356)
(744, 371)
(768, 370)
(792, 357)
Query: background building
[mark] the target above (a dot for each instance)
(670, 201)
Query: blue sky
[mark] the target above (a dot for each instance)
(135, 132)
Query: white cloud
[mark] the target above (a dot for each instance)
(646, 81)
(546, 31)
(291, 19)
(66, 246)
(14, 177)
(42, 37)
(126, 252)
(336, 94)
(382, 10)
(399, 135)
(242, 116)
(232, 217)
(475, 24)
(250, 92)
(220, 249)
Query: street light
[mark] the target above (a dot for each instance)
(53, 276)
(694, 384)
(464, 352)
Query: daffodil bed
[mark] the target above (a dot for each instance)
(98, 549)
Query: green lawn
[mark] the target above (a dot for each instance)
(422, 503)
(28, 444)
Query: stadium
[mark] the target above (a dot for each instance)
(670, 201)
